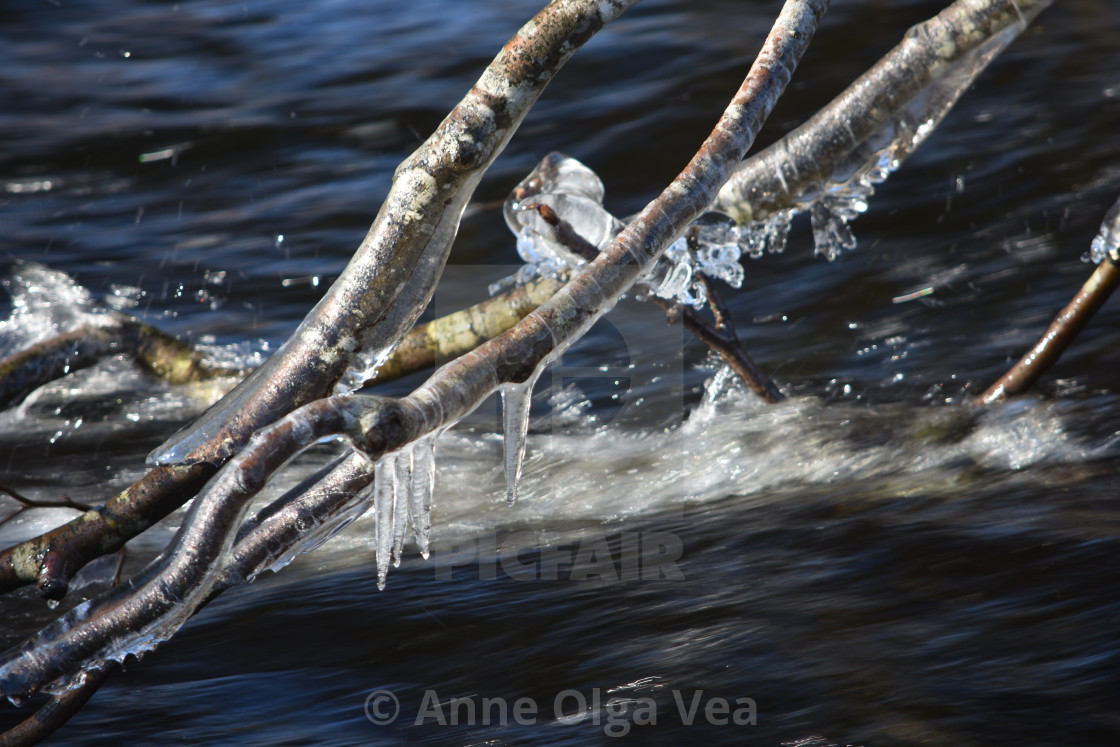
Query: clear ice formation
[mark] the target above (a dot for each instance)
(844, 195)
(570, 190)
(402, 498)
(575, 193)
(1107, 241)
(516, 401)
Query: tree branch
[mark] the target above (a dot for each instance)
(808, 156)
(393, 273)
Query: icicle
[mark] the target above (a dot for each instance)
(677, 279)
(831, 232)
(516, 400)
(402, 489)
(421, 489)
(774, 194)
(384, 477)
(1107, 241)
(767, 236)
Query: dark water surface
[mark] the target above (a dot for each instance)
(867, 563)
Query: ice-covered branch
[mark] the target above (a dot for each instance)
(134, 617)
(512, 361)
(831, 164)
(372, 304)
(848, 130)
(393, 273)
(560, 223)
(51, 558)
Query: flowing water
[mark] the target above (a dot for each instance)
(866, 563)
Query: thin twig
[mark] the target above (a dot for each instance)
(28, 503)
(1062, 331)
(726, 345)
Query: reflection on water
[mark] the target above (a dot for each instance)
(867, 562)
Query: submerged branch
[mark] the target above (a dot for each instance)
(155, 351)
(455, 334)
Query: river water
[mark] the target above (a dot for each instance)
(866, 563)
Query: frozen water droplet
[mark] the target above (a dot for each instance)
(516, 400)
(678, 276)
(563, 187)
(555, 174)
(767, 236)
(721, 261)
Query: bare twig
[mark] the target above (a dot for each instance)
(1069, 322)
(723, 341)
(27, 503)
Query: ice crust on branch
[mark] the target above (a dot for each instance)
(572, 194)
(1106, 244)
(866, 133)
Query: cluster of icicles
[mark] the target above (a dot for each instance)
(401, 499)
